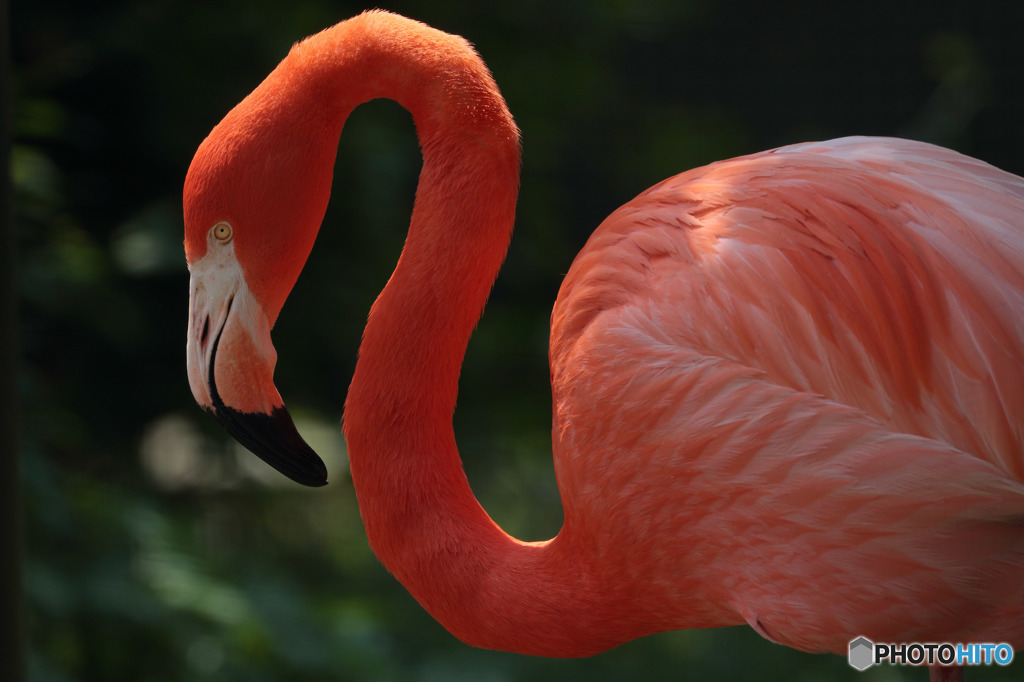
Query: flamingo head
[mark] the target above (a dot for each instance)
(254, 198)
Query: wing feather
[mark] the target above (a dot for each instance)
(823, 345)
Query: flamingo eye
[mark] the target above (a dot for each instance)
(222, 232)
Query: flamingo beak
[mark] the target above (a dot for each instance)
(231, 367)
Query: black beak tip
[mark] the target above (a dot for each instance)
(271, 437)
(274, 439)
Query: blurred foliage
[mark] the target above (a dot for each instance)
(154, 552)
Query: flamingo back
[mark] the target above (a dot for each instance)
(823, 346)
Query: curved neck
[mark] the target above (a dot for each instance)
(421, 517)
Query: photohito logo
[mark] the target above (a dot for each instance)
(864, 653)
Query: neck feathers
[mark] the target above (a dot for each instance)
(421, 517)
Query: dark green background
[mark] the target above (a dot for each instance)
(137, 572)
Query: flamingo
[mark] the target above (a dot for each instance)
(787, 388)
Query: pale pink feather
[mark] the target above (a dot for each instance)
(808, 366)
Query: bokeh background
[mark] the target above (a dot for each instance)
(154, 550)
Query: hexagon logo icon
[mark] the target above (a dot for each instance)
(862, 653)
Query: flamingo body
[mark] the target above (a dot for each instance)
(787, 388)
(802, 342)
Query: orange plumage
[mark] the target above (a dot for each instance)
(788, 388)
